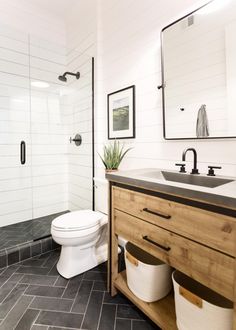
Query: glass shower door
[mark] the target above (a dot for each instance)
(49, 136)
(15, 139)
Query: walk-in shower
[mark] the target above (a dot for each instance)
(63, 77)
(42, 174)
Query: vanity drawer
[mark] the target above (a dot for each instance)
(212, 229)
(210, 267)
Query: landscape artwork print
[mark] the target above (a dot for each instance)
(121, 113)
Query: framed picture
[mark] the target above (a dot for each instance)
(121, 114)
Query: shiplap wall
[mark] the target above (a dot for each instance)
(128, 52)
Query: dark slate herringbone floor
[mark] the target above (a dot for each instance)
(34, 296)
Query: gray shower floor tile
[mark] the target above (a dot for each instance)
(26, 231)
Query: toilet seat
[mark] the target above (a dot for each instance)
(77, 221)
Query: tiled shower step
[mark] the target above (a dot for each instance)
(25, 251)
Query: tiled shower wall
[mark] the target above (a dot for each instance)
(57, 175)
(81, 37)
(49, 132)
(80, 122)
(15, 188)
(33, 115)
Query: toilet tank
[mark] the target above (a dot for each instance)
(101, 195)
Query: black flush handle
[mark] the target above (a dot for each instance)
(22, 152)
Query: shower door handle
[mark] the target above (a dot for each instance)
(22, 152)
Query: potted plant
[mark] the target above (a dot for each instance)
(113, 155)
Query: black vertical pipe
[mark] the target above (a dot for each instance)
(93, 149)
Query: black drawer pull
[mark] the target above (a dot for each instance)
(155, 243)
(165, 216)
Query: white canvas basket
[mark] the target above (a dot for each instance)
(198, 307)
(147, 277)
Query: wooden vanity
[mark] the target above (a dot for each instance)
(195, 237)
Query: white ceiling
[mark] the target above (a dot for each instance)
(59, 8)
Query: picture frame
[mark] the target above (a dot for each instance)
(121, 114)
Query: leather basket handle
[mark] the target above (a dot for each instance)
(131, 259)
(191, 297)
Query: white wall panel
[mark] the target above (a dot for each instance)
(130, 54)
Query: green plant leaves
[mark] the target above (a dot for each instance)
(113, 155)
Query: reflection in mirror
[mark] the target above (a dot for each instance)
(199, 73)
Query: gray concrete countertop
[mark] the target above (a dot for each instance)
(223, 196)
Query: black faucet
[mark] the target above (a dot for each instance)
(194, 170)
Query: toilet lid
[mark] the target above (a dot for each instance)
(77, 220)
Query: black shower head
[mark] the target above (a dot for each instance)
(63, 77)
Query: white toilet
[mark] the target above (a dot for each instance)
(83, 235)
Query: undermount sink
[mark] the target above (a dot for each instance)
(193, 179)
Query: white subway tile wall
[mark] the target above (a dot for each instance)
(81, 46)
(15, 180)
(79, 121)
(48, 130)
(39, 187)
(57, 175)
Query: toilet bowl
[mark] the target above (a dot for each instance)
(78, 233)
(82, 236)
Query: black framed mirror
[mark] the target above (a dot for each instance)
(199, 73)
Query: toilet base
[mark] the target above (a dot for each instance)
(101, 253)
(74, 261)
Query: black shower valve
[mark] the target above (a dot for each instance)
(77, 140)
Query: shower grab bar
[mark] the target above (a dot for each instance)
(22, 152)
